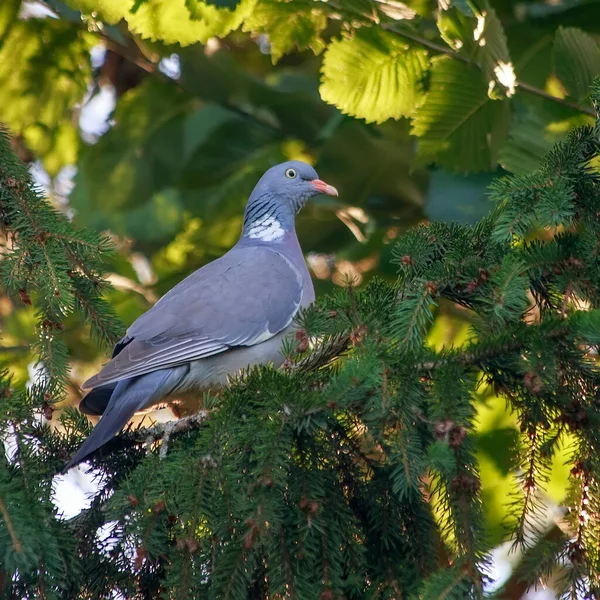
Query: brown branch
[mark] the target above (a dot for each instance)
(473, 358)
(18, 547)
(164, 431)
(287, 561)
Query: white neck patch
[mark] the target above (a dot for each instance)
(266, 229)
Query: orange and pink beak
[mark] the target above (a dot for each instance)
(324, 188)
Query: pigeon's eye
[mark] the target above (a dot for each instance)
(291, 173)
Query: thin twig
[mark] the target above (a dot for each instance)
(323, 355)
(164, 431)
(11, 530)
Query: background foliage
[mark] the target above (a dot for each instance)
(152, 120)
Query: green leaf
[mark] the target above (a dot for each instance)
(201, 124)
(463, 6)
(288, 25)
(158, 220)
(107, 11)
(480, 39)
(458, 125)
(58, 146)
(139, 156)
(374, 76)
(9, 9)
(49, 79)
(534, 129)
(576, 57)
(172, 23)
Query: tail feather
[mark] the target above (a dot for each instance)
(96, 401)
(129, 396)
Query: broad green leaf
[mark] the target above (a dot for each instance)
(480, 39)
(373, 75)
(203, 123)
(459, 126)
(9, 9)
(463, 6)
(288, 25)
(233, 144)
(172, 23)
(157, 220)
(289, 102)
(576, 58)
(139, 156)
(534, 129)
(107, 11)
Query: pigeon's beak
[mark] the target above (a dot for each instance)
(324, 188)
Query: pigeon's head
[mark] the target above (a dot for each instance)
(280, 193)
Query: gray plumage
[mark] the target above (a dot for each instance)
(228, 315)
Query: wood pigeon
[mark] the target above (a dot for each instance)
(232, 313)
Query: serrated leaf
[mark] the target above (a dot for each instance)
(172, 23)
(458, 125)
(288, 25)
(576, 58)
(480, 39)
(374, 76)
(107, 11)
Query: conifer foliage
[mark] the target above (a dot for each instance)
(350, 472)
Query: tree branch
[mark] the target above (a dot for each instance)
(16, 542)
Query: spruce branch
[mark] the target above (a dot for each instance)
(16, 542)
(320, 356)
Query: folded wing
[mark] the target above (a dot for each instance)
(243, 298)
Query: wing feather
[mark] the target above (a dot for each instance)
(244, 298)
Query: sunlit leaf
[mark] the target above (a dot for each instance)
(108, 11)
(373, 75)
(458, 125)
(480, 39)
(288, 25)
(172, 23)
(576, 58)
